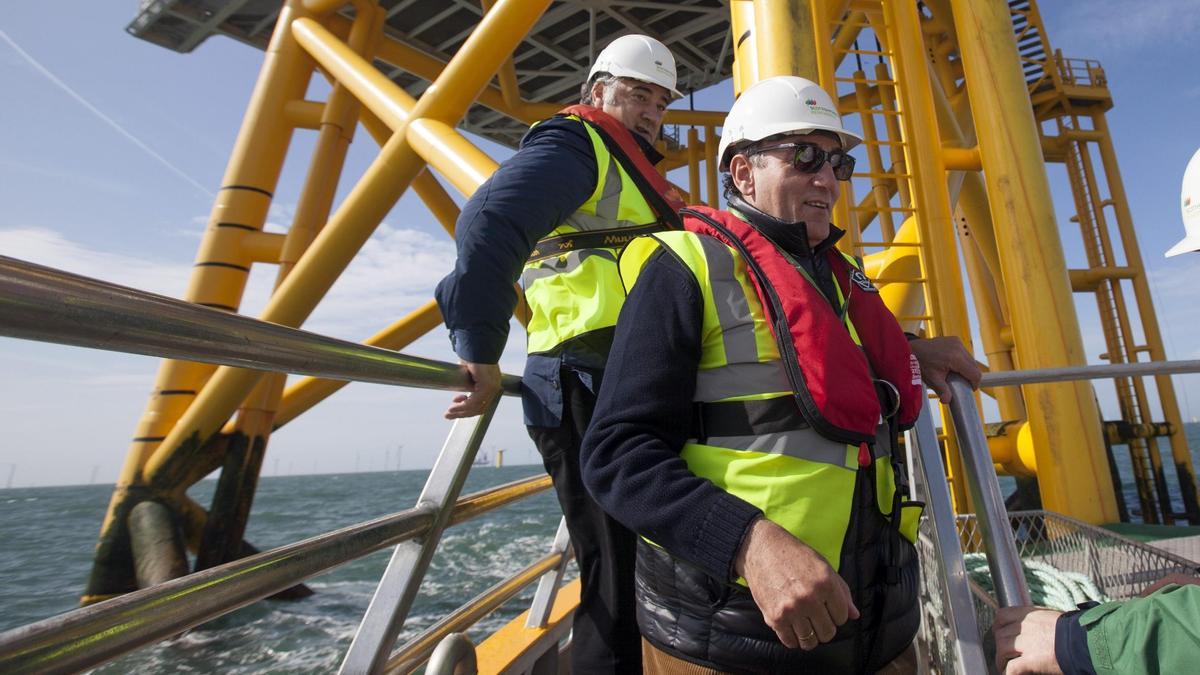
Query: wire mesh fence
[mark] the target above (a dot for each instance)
(1117, 567)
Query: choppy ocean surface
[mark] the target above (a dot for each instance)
(48, 535)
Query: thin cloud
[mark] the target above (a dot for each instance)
(1174, 294)
(135, 381)
(52, 249)
(45, 72)
(392, 275)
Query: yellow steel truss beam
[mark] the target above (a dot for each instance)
(1073, 472)
(349, 227)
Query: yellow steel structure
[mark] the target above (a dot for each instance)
(960, 104)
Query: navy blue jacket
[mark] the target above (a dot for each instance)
(534, 191)
(630, 456)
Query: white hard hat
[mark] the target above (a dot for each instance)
(1189, 205)
(780, 105)
(640, 58)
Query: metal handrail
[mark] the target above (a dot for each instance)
(88, 637)
(49, 305)
(453, 656)
(1008, 378)
(417, 650)
(931, 471)
(1003, 559)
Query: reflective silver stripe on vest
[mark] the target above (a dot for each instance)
(740, 379)
(803, 444)
(729, 299)
(563, 264)
(610, 199)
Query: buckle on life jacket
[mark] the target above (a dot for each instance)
(889, 398)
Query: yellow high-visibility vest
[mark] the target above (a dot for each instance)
(575, 289)
(799, 479)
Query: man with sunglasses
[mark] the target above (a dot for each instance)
(747, 424)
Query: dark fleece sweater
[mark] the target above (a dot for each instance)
(630, 456)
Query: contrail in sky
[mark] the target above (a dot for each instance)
(105, 118)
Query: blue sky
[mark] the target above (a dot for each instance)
(113, 180)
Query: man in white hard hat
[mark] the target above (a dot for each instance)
(555, 215)
(1189, 207)
(747, 425)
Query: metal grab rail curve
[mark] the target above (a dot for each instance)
(87, 637)
(1008, 378)
(929, 472)
(1003, 559)
(49, 305)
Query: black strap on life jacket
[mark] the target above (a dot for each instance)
(745, 418)
(562, 244)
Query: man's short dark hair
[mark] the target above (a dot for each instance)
(585, 93)
(727, 178)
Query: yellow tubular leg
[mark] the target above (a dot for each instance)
(241, 205)
(784, 40)
(1141, 290)
(364, 208)
(1073, 472)
(745, 58)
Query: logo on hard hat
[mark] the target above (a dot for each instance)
(818, 109)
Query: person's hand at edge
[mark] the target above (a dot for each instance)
(1025, 641)
(941, 356)
(485, 379)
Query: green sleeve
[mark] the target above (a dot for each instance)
(1156, 634)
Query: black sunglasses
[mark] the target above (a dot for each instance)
(809, 158)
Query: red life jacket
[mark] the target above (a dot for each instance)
(831, 376)
(658, 191)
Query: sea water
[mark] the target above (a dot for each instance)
(49, 535)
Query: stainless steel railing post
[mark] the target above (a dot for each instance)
(1003, 559)
(401, 580)
(547, 590)
(930, 483)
